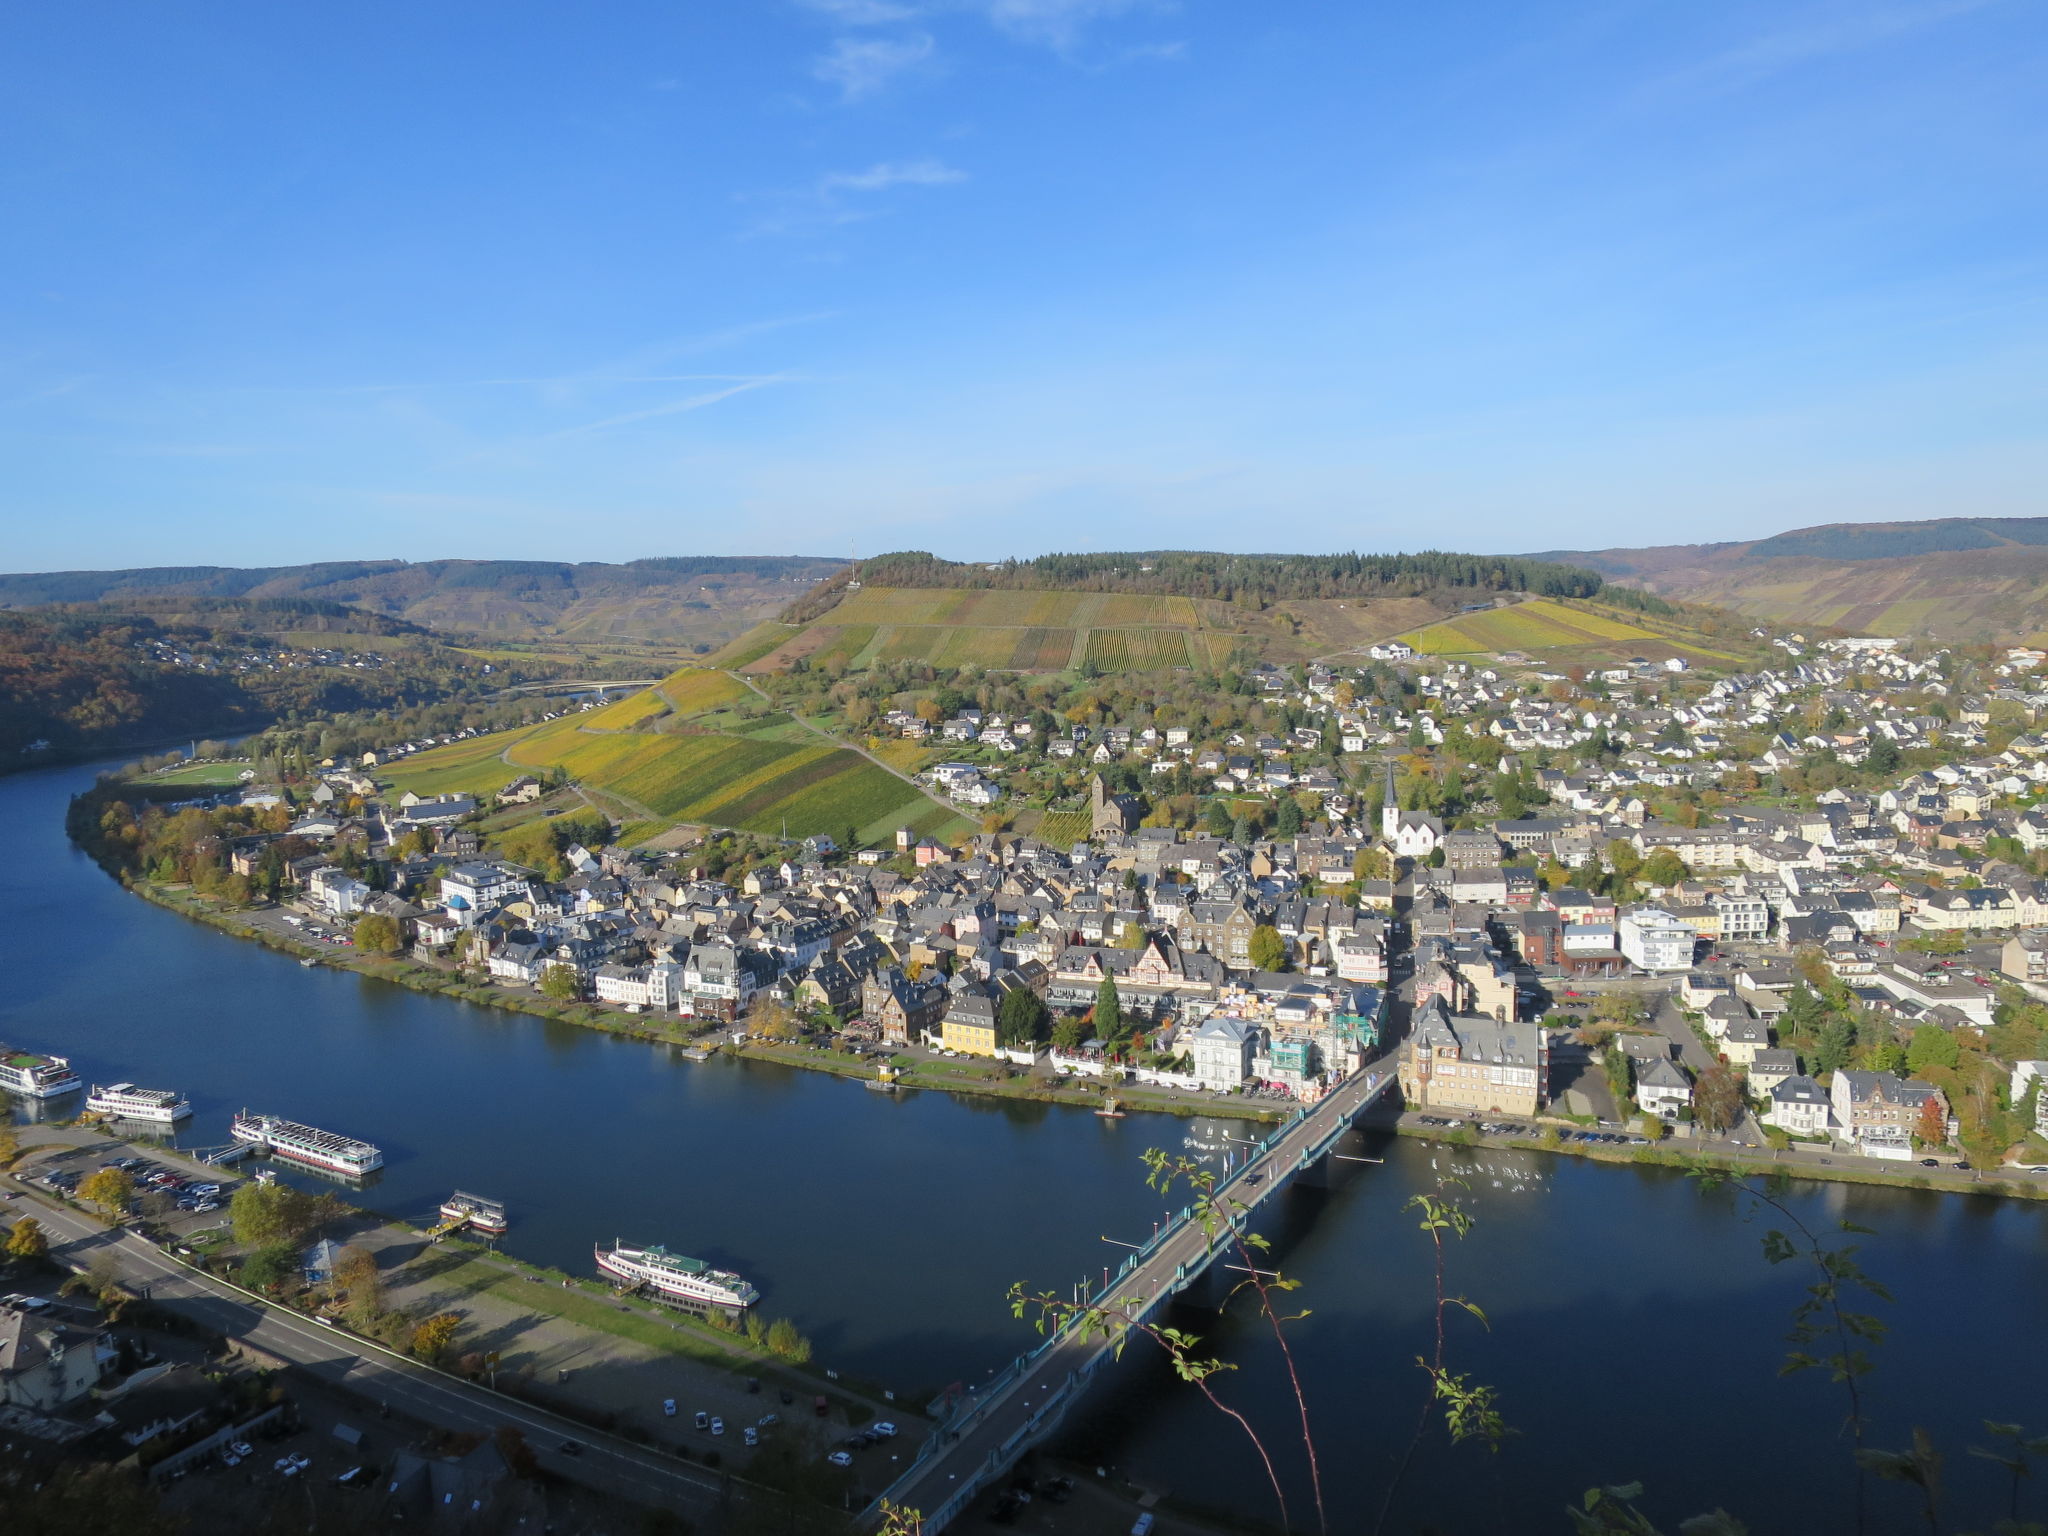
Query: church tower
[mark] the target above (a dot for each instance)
(1390, 807)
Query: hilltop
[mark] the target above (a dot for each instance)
(1959, 579)
(694, 599)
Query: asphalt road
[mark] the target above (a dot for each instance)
(604, 1464)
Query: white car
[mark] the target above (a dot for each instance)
(840, 1459)
(752, 1436)
(293, 1465)
(668, 1406)
(885, 1429)
(717, 1425)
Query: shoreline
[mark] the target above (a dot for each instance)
(416, 976)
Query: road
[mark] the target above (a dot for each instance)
(604, 1464)
(991, 1427)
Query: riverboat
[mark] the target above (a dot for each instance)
(672, 1277)
(306, 1144)
(39, 1077)
(475, 1211)
(125, 1101)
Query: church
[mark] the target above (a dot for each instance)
(1111, 813)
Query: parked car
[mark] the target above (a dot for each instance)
(717, 1425)
(668, 1407)
(703, 1419)
(840, 1459)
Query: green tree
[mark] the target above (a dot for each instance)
(1066, 1033)
(1837, 1044)
(1623, 859)
(269, 1266)
(1268, 951)
(110, 1189)
(1663, 868)
(1883, 758)
(560, 983)
(1021, 1018)
(1931, 1046)
(27, 1241)
(1287, 819)
(1109, 1012)
(785, 1341)
(376, 934)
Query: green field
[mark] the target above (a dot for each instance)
(472, 767)
(199, 773)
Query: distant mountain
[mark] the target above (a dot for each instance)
(705, 599)
(1957, 578)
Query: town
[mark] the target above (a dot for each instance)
(1797, 906)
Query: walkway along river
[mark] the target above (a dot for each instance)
(1636, 1328)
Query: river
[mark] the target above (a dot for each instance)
(1635, 1328)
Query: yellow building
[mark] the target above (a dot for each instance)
(970, 1025)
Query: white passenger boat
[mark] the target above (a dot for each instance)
(675, 1278)
(40, 1077)
(480, 1214)
(307, 1144)
(125, 1101)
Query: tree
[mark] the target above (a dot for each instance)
(1267, 951)
(27, 1242)
(773, 1019)
(110, 1189)
(1837, 1044)
(560, 983)
(376, 934)
(433, 1338)
(1716, 1100)
(1623, 859)
(1109, 1012)
(784, 1340)
(1663, 868)
(1021, 1018)
(1932, 1130)
(1931, 1046)
(269, 1266)
(1066, 1034)
(1287, 819)
(356, 1275)
(273, 1213)
(1883, 759)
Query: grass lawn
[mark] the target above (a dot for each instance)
(198, 773)
(465, 767)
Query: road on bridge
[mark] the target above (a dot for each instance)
(339, 1357)
(985, 1439)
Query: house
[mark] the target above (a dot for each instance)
(45, 1365)
(1801, 1107)
(157, 1405)
(1769, 1068)
(1653, 940)
(1882, 1103)
(901, 1009)
(1743, 1040)
(1221, 1050)
(1457, 1062)
(969, 1025)
(1662, 1088)
(521, 791)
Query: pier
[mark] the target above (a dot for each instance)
(986, 1436)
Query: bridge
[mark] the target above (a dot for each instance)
(986, 1436)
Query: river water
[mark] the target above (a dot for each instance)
(1635, 1328)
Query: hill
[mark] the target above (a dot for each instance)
(1558, 632)
(699, 748)
(702, 600)
(1954, 579)
(1137, 612)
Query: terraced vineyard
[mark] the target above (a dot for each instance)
(767, 775)
(1554, 631)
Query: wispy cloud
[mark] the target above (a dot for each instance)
(668, 408)
(891, 173)
(1849, 30)
(1055, 23)
(861, 13)
(862, 66)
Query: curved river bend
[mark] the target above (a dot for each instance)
(1636, 1330)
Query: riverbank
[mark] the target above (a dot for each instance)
(1734, 1162)
(918, 1070)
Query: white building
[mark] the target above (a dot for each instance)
(1654, 940)
(1222, 1052)
(1800, 1106)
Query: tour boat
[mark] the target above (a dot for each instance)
(675, 1278)
(305, 1144)
(481, 1214)
(125, 1101)
(40, 1077)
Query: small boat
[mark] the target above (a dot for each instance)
(309, 961)
(478, 1213)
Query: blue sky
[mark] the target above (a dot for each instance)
(988, 277)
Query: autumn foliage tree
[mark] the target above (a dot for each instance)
(1716, 1100)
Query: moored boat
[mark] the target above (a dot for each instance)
(307, 1144)
(125, 1101)
(672, 1277)
(480, 1214)
(40, 1077)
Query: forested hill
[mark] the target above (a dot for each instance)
(699, 598)
(1224, 577)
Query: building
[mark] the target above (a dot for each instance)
(1883, 1103)
(1801, 1107)
(46, 1365)
(1662, 1088)
(1651, 939)
(1456, 1062)
(1221, 1050)
(969, 1025)
(1111, 813)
